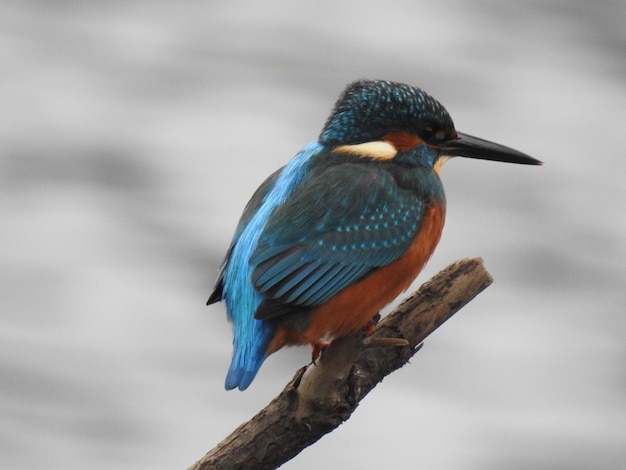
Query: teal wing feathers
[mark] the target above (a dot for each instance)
(337, 227)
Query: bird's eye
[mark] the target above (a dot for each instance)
(426, 133)
(432, 135)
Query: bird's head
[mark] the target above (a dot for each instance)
(387, 120)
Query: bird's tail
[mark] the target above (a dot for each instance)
(242, 372)
(241, 376)
(249, 353)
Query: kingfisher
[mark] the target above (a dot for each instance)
(340, 231)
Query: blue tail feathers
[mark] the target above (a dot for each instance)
(242, 372)
(241, 378)
(249, 352)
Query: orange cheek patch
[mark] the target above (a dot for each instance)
(403, 141)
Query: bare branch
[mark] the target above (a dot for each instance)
(319, 398)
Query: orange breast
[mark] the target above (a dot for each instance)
(352, 308)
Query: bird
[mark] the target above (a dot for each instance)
(345, 226)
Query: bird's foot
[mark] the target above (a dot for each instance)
(368, 330)
(317, 349)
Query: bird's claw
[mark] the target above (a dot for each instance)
(368, 330)
(317, 349)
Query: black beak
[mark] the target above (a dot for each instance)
(473, 147)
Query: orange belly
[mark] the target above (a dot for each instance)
(352, 308)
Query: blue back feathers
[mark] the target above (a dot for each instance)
(252, 336)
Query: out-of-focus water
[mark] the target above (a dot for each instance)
(133, 133)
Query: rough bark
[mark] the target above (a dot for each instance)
(320, 397)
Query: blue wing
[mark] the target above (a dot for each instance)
(253, 205)
(338, 225)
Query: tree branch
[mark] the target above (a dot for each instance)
(319, 398)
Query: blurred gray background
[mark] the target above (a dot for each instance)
(132, 134)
